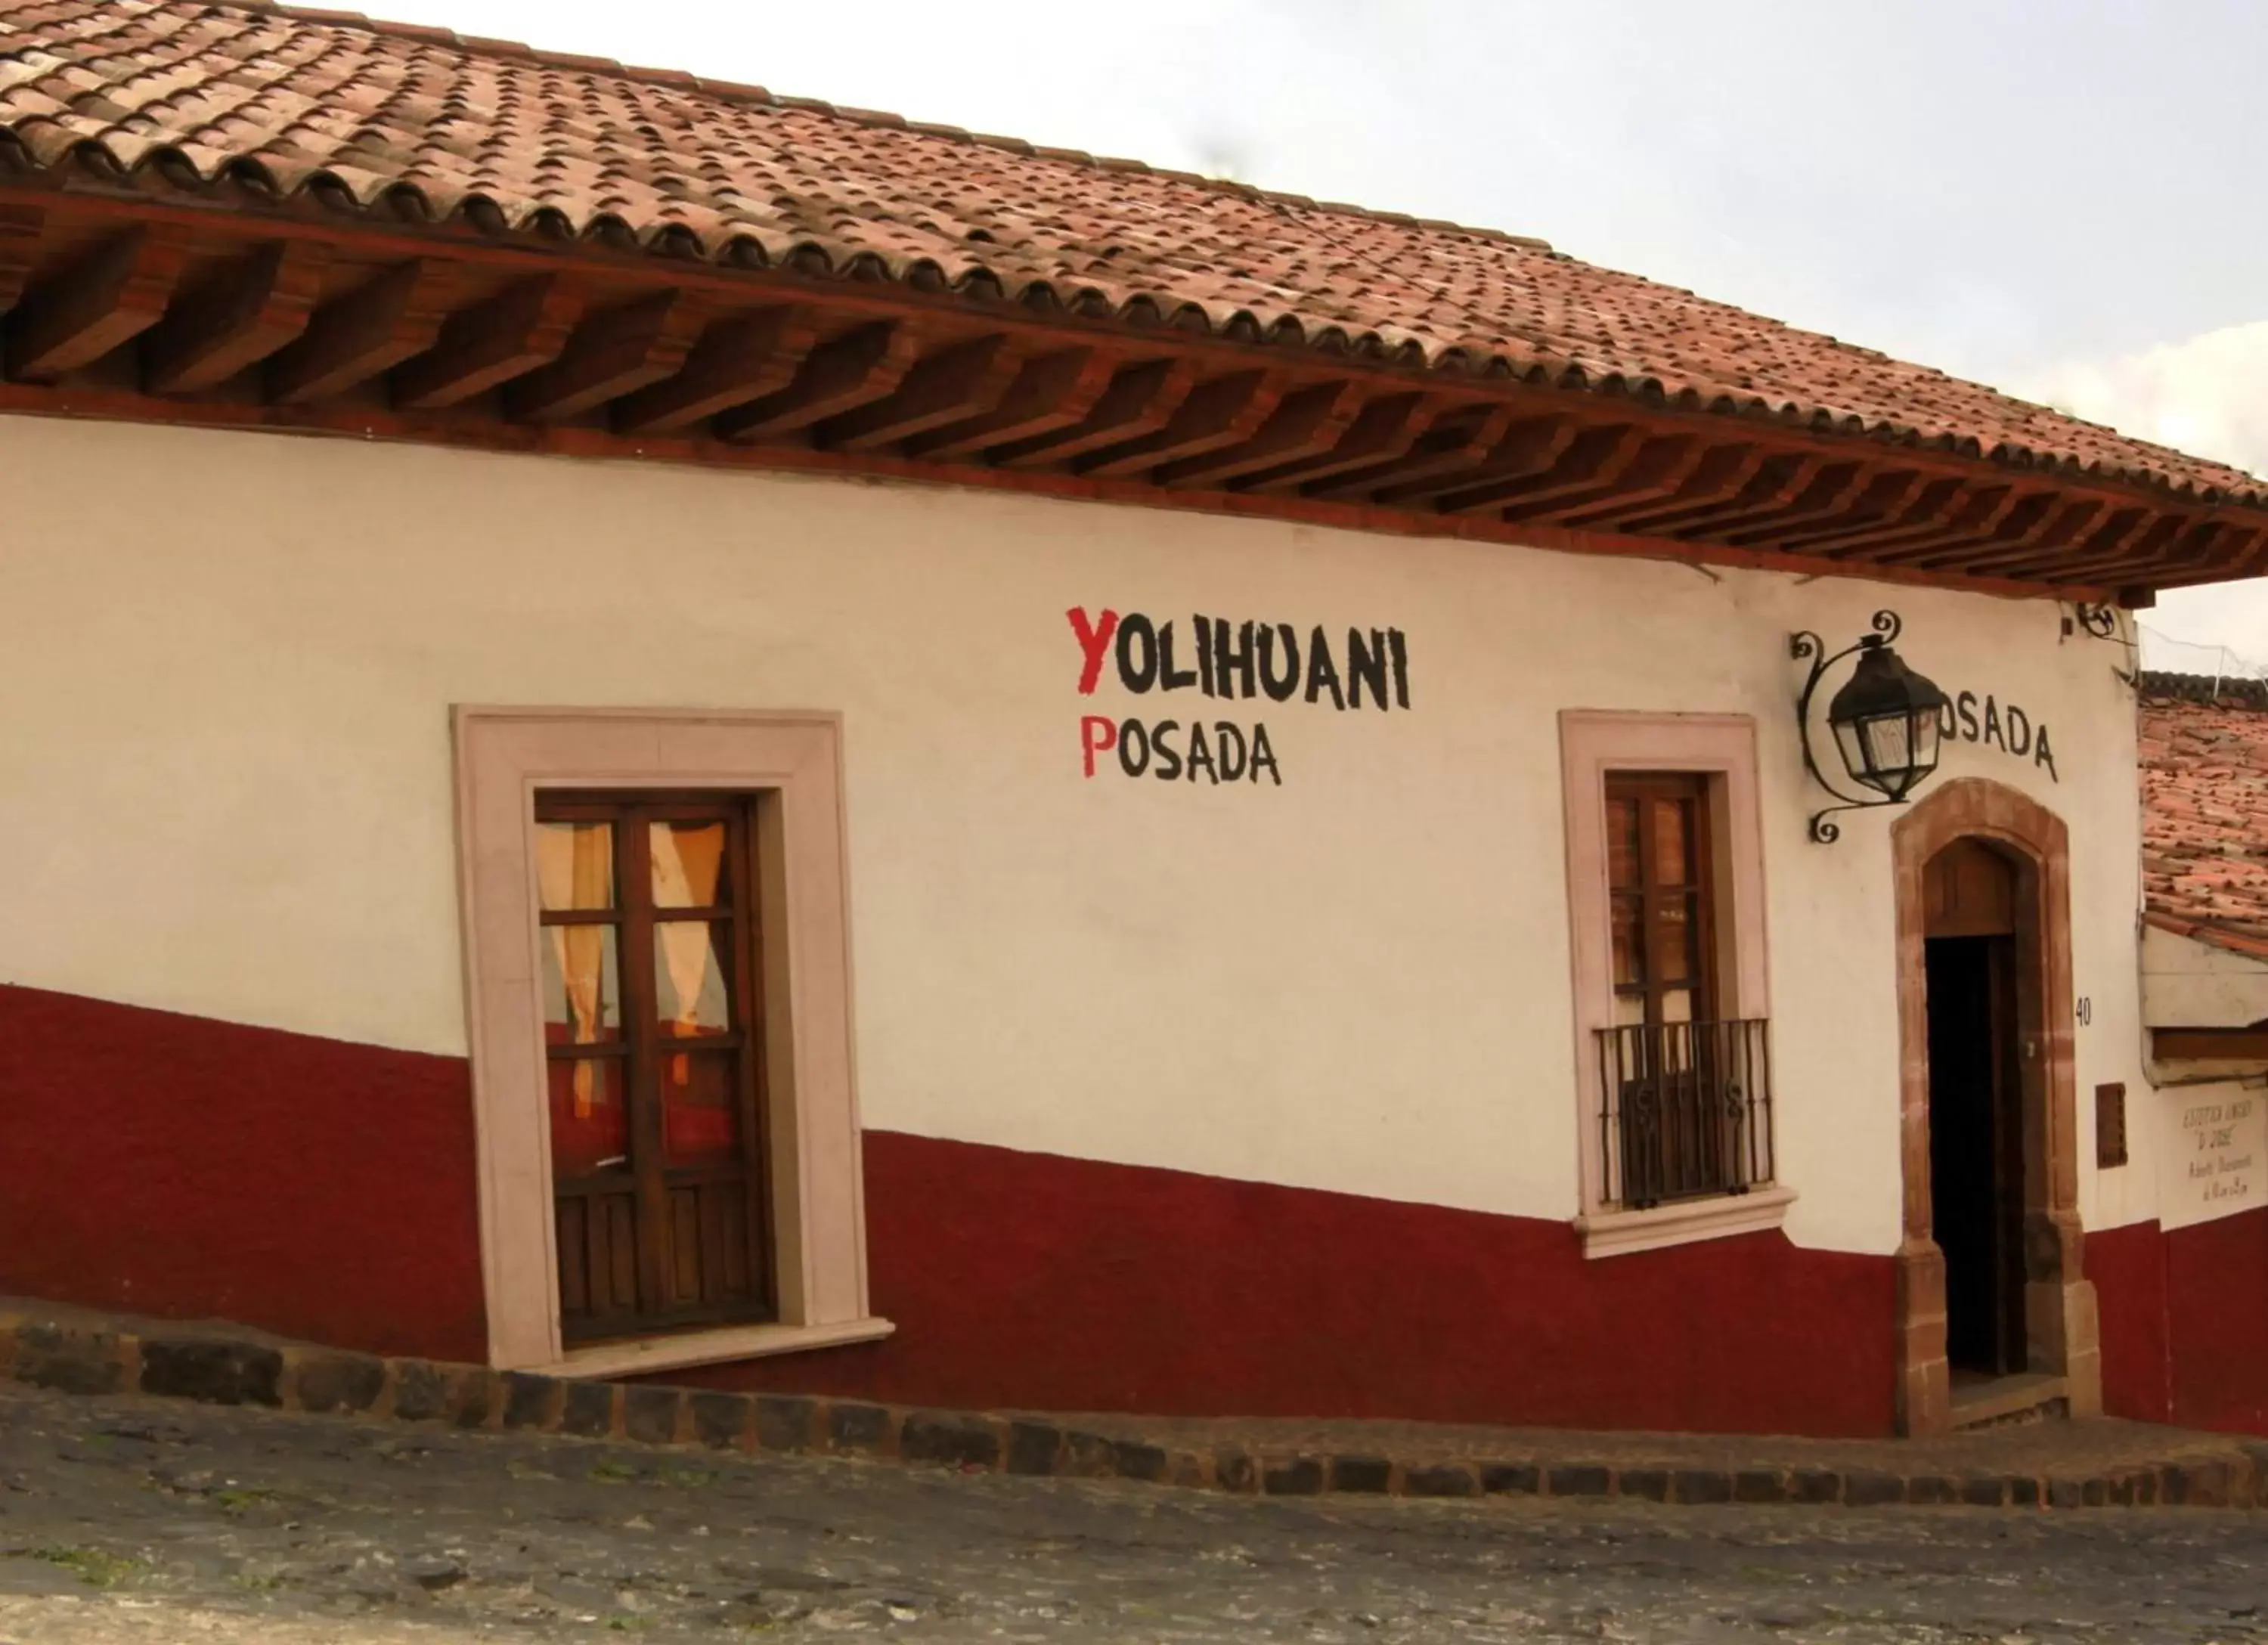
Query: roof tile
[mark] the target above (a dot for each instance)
(2204, 825)
(494, 127)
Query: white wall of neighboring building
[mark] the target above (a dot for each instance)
(2189, 984)
(224, 789)
(2208, 1121)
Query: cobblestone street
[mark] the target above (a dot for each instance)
(130, 1519)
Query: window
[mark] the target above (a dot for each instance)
(657, 954)
(652, 1041)
(1658, 872)
(1665, 893)
(1687, 1098)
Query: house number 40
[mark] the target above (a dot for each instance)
(2086, 1011)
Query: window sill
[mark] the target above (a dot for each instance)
(710, 1347)
(1618, 1233)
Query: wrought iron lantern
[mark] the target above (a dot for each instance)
(1885, 721)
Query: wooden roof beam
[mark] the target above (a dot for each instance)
(1651, 466)
(1220, 412)
(2065, 551)
(395, 315)
(1719, 473)
(2167, 544)
(1309, 423)
(1141, 399)
(2198, 547)
(100, 303)
(1927, 504)
(1865, 497)
(612, 353)
(1977, 508)
(2021, 523)
(736, 363)
(1054, 392)
(2024, 513)
(2141, 554)
(2149, 548)
(944, 387)
(522, 329)
(847, 371)
(2207, 544)
(235, 319)
(1500, 447)
(1528, 446)
(1456, 443)
(1778, 480)
(2239, 554)
(20, 228)
(2050, 537)
(1386, 428)
(1592, 453)
(2116, 537)
(1827, 496)
(2251, 560)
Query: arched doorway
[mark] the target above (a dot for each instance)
(1977, 1026)
(1990, 1267)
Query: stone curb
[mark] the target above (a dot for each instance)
(209, 1366)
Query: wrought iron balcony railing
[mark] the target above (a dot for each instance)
(1686, 1111)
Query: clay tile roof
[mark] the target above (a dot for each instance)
(384, 116)
(2205, 817)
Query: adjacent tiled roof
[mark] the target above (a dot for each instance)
(365, 116)
(2205, 819)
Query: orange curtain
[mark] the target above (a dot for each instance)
(686, 864)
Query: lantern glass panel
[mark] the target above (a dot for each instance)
(1847, 744)
(1926, 731)
(1890, 745)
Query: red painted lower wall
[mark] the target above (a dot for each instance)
(1035, 1282)
(2185, 1321)
(2128, 1268)
(175, 1166)
(2217, 1304)
(172, 1165)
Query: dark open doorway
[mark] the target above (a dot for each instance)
(1976, 1106)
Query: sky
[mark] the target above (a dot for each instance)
(2057, 197)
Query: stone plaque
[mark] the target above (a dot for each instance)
(2219, 1138)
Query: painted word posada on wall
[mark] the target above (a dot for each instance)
(1996, 725)
(1229, 660)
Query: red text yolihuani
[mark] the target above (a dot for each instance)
(1222, 658)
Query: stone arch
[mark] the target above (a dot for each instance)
(2062, 1330)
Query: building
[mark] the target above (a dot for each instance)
(518, 570)
(2189, 1344)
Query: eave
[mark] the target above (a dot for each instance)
(183, 301)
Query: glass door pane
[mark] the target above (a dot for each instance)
(689, 868)
(575, 865)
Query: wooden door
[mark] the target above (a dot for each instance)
(1971, 902)
(649, 957)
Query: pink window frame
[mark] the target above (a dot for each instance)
(792, 764)
(1722, 747)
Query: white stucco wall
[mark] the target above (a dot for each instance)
(225, 789)
(2188, 983)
